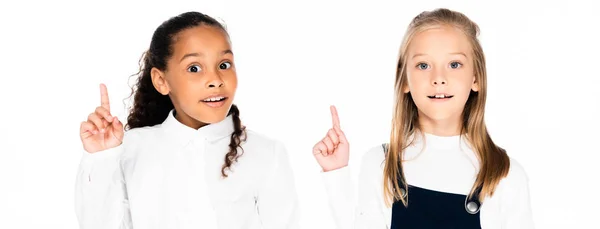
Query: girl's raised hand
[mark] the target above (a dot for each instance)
(101, 131)
(332, 152)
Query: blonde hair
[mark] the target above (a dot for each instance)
(494, 162)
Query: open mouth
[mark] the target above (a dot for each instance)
(214, 99)
(440, 96)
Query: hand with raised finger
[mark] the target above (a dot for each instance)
(101, 131)
(332, 152)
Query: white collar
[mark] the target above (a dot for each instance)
(211, 132)
(440, 142)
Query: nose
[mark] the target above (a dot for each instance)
(215, 81)
(441, 81)
(439, 78)
(215, 84)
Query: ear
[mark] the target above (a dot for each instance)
(159, 81)
(405, 88)
(475, 85)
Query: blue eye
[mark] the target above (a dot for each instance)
(194, 68)
(455, 65)
(422, 66)
(225, 65)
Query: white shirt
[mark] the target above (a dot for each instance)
(446, 164)
(169, 176)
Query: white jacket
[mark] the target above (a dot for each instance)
(169, 176)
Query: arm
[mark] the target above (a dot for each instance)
(277, 198)
(516, 206)
(367, 212)
(332, 154)
(100, 195)
(340, 191)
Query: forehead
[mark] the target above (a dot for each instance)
(200, 39)
(439, 40)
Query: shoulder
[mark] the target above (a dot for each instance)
(136, 134)
(373, 160)
(260, 140)
(265, 153)
(517, 176)
(375, 154)
(136, 138)
(513, 197)
(515, 183)
(263, 145)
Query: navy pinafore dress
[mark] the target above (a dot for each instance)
(430, 209)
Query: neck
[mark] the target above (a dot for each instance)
(446, 127)
(187, 120)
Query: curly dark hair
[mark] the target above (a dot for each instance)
(149, 106)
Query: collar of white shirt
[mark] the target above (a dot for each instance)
(182, 134)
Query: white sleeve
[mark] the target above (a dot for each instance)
(348, 213)
(277, 198)
(100, 194)
(340, 191)
(516, 206)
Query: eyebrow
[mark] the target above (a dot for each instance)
(228, 51)
(452, 53)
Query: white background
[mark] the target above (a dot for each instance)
(294, 59)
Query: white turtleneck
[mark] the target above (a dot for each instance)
(445, 164)
(169, 176)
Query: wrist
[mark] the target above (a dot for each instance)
(334, 168)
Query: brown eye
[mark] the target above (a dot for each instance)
(225, 65)
(194, 68)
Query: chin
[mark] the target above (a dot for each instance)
(211, 118)
(438, 116)
(211, 115)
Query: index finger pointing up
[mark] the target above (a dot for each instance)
(104, 97)
(334, 117)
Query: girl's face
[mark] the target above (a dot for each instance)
(440, 73)
(200, 77)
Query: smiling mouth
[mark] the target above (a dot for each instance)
(440, 96)
(214, 99)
